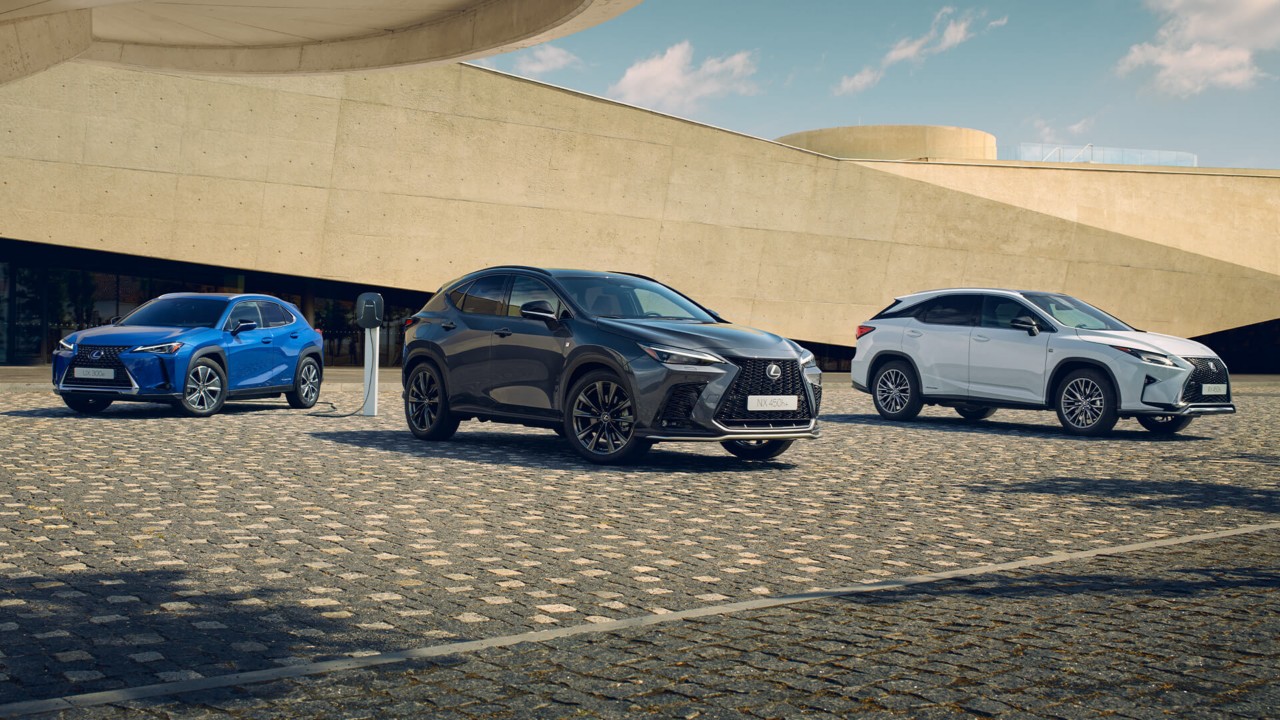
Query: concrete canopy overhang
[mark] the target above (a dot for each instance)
(305, 36)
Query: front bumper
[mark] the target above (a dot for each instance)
(1192, 410)
(703, 403)
(137, 376)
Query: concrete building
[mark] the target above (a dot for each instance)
(119, 182)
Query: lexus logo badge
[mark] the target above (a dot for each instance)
(773, 371)
(1213, 367)
(96, 355)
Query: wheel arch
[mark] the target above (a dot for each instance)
(1066, 367)
(888, 356)
(214, 353)
(311, 352)
(586, 363)
(420, 353)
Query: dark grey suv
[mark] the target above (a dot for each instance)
(614, 362)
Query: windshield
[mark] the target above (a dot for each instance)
(1075, 313)
(188, 312)
(622, 296)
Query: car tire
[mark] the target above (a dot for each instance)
(757, 449)
(204, 390)
(1086, 403)
(426, 405)
(306, 387)
(974, 413)
(85, 404)
(600, 420)
(895, 391)
(1164, 424)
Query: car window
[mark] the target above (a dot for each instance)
(625, 296)
(436, 303)
(999, 312)
(457, 294)
(486, 296)
(246, 311)
(950, 310)
(274, 315)
(1075, 313)
(525, 290)
(188, 312)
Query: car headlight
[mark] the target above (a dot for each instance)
(1146, 356)
(676, 356)
(64, 345)
(807, 359)
(165, 349)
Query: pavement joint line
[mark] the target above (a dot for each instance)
(85, 700)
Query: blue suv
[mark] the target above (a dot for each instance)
(194, 350)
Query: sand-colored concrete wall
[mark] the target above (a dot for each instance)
(409, 178)
(897, 142)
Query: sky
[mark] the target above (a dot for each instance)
(1197, 76)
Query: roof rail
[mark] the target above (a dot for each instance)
(637, 275)
(530, 268)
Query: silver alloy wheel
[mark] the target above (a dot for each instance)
(1082, 402)
(204, 387)
(603, 419)
(309, 388)
(424, 401)
(893, 390)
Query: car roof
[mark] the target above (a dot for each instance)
(557, 272)
(222, 296)
(923, 294)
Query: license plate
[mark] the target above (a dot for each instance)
(96, 373)
(1213, 389)
(767, 403)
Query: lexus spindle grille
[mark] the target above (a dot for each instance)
(1209, 371)
(754, 380)
(106, 357)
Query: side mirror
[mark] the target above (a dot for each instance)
(1025, 323)
(538, 310)
(243, 326)
(115, 320)
(716, 315)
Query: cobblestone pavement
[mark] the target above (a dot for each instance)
(139, 547)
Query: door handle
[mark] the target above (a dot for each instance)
(266, 341)
(294, 335)
(448, 325)
(981, 338)
(504, 332)
(914, 333)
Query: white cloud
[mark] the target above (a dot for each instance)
(1049, 134)
(1082, 127)
(669, 81)
(998, 23)
(544, 59)
(939, 39)
(1207, 43)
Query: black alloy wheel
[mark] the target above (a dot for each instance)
(1086, 403)
(757, 449)
(1164, 424)
(600, 420)
(896, 391)
(975, 412)
(85, 404)
(205, 390)
(306, 388)
(426, 406)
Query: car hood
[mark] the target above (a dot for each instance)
(132, 335)
(1149, 341)
(716, 337)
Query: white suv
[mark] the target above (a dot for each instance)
(978, 350)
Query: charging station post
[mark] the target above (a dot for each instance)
(369, 316)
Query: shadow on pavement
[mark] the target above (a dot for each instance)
(989, 427)
(104, 631)
(142, 411)
(1149, 494)
(543, 450)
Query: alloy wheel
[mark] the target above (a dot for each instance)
(893, 390)
(603, 418)
(204, 387)
(1082, 402)
(310, 386)
(424, 401)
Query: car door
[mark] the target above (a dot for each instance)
(467, 346)
(528, 356)
(249, 352)
(1007, 363)
(937, 339)
(285, 342)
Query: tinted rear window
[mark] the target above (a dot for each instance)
(486, 296)
(950, 310)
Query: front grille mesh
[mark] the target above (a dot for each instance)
(1207, 371)
(110, 359)
(752, 380)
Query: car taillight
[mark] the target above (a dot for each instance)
(863, 330)
(409, 321)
